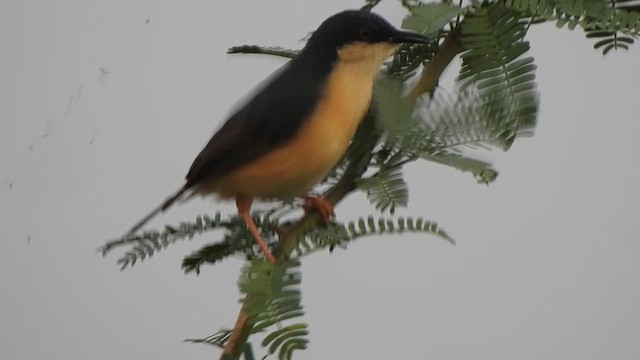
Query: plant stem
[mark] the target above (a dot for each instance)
(447, 51)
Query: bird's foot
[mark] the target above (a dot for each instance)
(244, 205)
(322, 206)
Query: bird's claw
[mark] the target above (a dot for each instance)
(322, 206)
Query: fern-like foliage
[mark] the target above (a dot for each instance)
(439, 128)
(498, 100)
(615, 23)
(427, 19)
(430, 18)
(481, 170)
(372, 226)
(386, 189)
(493, 41)
(218, 339)
(328, 237)
(606, 14)
(149, 242)
(619, 24)
(272, 296)
(609, 40)
(467, 120)
(210, 254)
(619, 15)
(339, 235)
(287, 339)
(237, 239)
(409, 57)
(541, 9)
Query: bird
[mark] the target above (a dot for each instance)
(289, 135)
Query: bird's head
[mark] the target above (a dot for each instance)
(356, 35)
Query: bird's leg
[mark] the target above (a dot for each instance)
(244, 206)
(319, 204)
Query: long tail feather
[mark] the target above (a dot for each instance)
(160, 208)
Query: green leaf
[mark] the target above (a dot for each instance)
(272, 296)
(608, 39)
(493, 63)
(148, 243)
(387, 225)
(394, 111)
(482, 171)
(271, 337)
(219, 339)
(429, 18)
(386, 189)
(208, 254)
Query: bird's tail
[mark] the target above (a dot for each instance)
(160, 208)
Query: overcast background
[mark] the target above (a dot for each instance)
(546, 265)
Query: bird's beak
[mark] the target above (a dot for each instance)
(408, 37)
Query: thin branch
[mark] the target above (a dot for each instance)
(447, 51)
(370, 4)
(265, 50)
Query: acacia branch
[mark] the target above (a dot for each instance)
(447, 51)
(359, 159)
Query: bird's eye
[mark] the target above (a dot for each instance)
(365, 34)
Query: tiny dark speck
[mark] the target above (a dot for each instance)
(92, 139)
(105, 71)
(10, 185)
(28, 239)
(147, 20)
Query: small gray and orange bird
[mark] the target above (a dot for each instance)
(288, 137)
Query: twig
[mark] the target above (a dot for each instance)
(450, 47)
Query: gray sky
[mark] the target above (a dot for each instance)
(546, 263)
